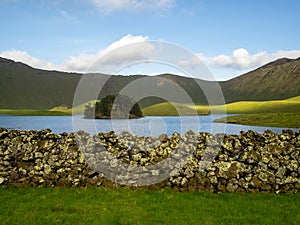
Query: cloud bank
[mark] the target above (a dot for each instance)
(83, 62)
(239, 61)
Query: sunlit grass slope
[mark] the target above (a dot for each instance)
(288, 120)
(291, 105)
(23, 112)
(75, 110)
(283, 106)
(174, 109)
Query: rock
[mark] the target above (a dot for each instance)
(231, 187)
(273, 164)
(250, 162)
(255, 182)
(163, 138)
(292, 165)
(47, 169)
(280, 172)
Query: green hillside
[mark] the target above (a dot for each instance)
(291, 105)
(173, 109)
(276, 80)
(23, 87)
(283, 106)
(288, 120)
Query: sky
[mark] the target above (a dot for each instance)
(230, 37)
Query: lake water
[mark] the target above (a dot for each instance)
(144, 127)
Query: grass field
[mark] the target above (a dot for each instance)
(124, 206)
(291, 105)
(279, 106)
(15, 112)
(75, 110)
(288, 120)
(174, 109)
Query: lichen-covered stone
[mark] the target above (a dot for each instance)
(247, 162)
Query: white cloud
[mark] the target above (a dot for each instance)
(238, 62)
(83, 62)
(109, 6)
(24, 57)
(240, 59)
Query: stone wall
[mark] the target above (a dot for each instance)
(249, 162)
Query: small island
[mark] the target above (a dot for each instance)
(113, 107)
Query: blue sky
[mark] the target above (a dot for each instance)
(231, 37)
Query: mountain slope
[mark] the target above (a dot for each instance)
(24, 87)
(276, 80)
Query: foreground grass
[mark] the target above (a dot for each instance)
(123, 206)
(288, 120)
(15, 112)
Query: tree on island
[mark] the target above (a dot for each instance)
(113, 106)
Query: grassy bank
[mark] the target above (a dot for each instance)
(174, 109)
(123, 206)
(279, 106)
(289, 120)
(291, 105)
(15, 112)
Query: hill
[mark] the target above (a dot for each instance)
(276, 80)
(24, 87)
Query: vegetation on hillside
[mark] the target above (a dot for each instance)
(23, 87)
(291, 105)
(113, 106)
(279, 79)
(175, 109)
(287, 120)
(23, 112)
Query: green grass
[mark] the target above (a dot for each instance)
(172, 109)
(283, 106)
(288, 120)
(15, 112)
(291, 105)
(124, 206)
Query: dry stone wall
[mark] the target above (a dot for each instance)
(249, 162)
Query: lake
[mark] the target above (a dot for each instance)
(147, 126)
